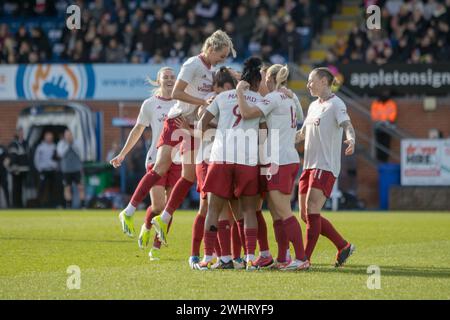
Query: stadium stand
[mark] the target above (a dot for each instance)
(143, 31)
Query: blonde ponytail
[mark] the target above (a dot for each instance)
(155, 83)
(279, 73)
(282, 77)
(217, 41)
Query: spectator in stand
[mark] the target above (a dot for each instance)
(115, 52)
(206, 10)
(47, 166)
(97, 53)
(384, 114)
(40, 44)
(291, 43)
(151, 22)
(270, 42)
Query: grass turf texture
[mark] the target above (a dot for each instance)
(411, 249)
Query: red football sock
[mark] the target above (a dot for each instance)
(144, 186)
(262, 232)
(242, 234)
(156, 242)
(282, 240)
(331, 233)
(179, 192)
(217, 248)
(210, 238)
(235, 240)
(294, 234)
(313, 228)
(224, 234)
(197, 234)
(250, 240)
(148, 217)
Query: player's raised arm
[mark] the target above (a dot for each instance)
(132, 139)
(247, 112)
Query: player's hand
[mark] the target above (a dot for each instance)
(242, 86)
(117, 161)
(351, 147)
(182, 123)
(287, 92)
(299, 137)
(210, 100)
(236, 75)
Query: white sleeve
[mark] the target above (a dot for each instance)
(298, 108)
(340, 113)
(144, 118)
(188, 71)
(267, 105)
(213, 108)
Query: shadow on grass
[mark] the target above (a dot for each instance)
(402, 271)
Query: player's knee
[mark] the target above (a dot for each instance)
(312, 207)
(161, 167)
(157, 208)
(303, 215)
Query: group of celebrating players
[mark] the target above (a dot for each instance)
(213, 127)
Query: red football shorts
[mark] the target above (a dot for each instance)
(200, 171)
(316, 178)
(170, 178)
(283, 178)
(231, 179)
(171, 136)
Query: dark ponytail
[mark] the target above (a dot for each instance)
(252, 71)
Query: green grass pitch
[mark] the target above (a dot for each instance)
(412, 251)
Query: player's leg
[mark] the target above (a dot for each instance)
(199, 222)
(224, 239)
(280, 235)
(215, 207)
(67, 183)
(265, 258)
(157, 197)
(178, 194)
(247, 205)
(281, 203)
(198, 229)
(327, 229)
(161, 166)
(237, 240)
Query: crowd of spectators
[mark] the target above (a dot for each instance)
(153, 31)
(412, 31)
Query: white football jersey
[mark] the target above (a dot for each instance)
(236, 139)
(153, 112)
(323, 134)
(204, 152)
(282, 114)
(199, 77)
